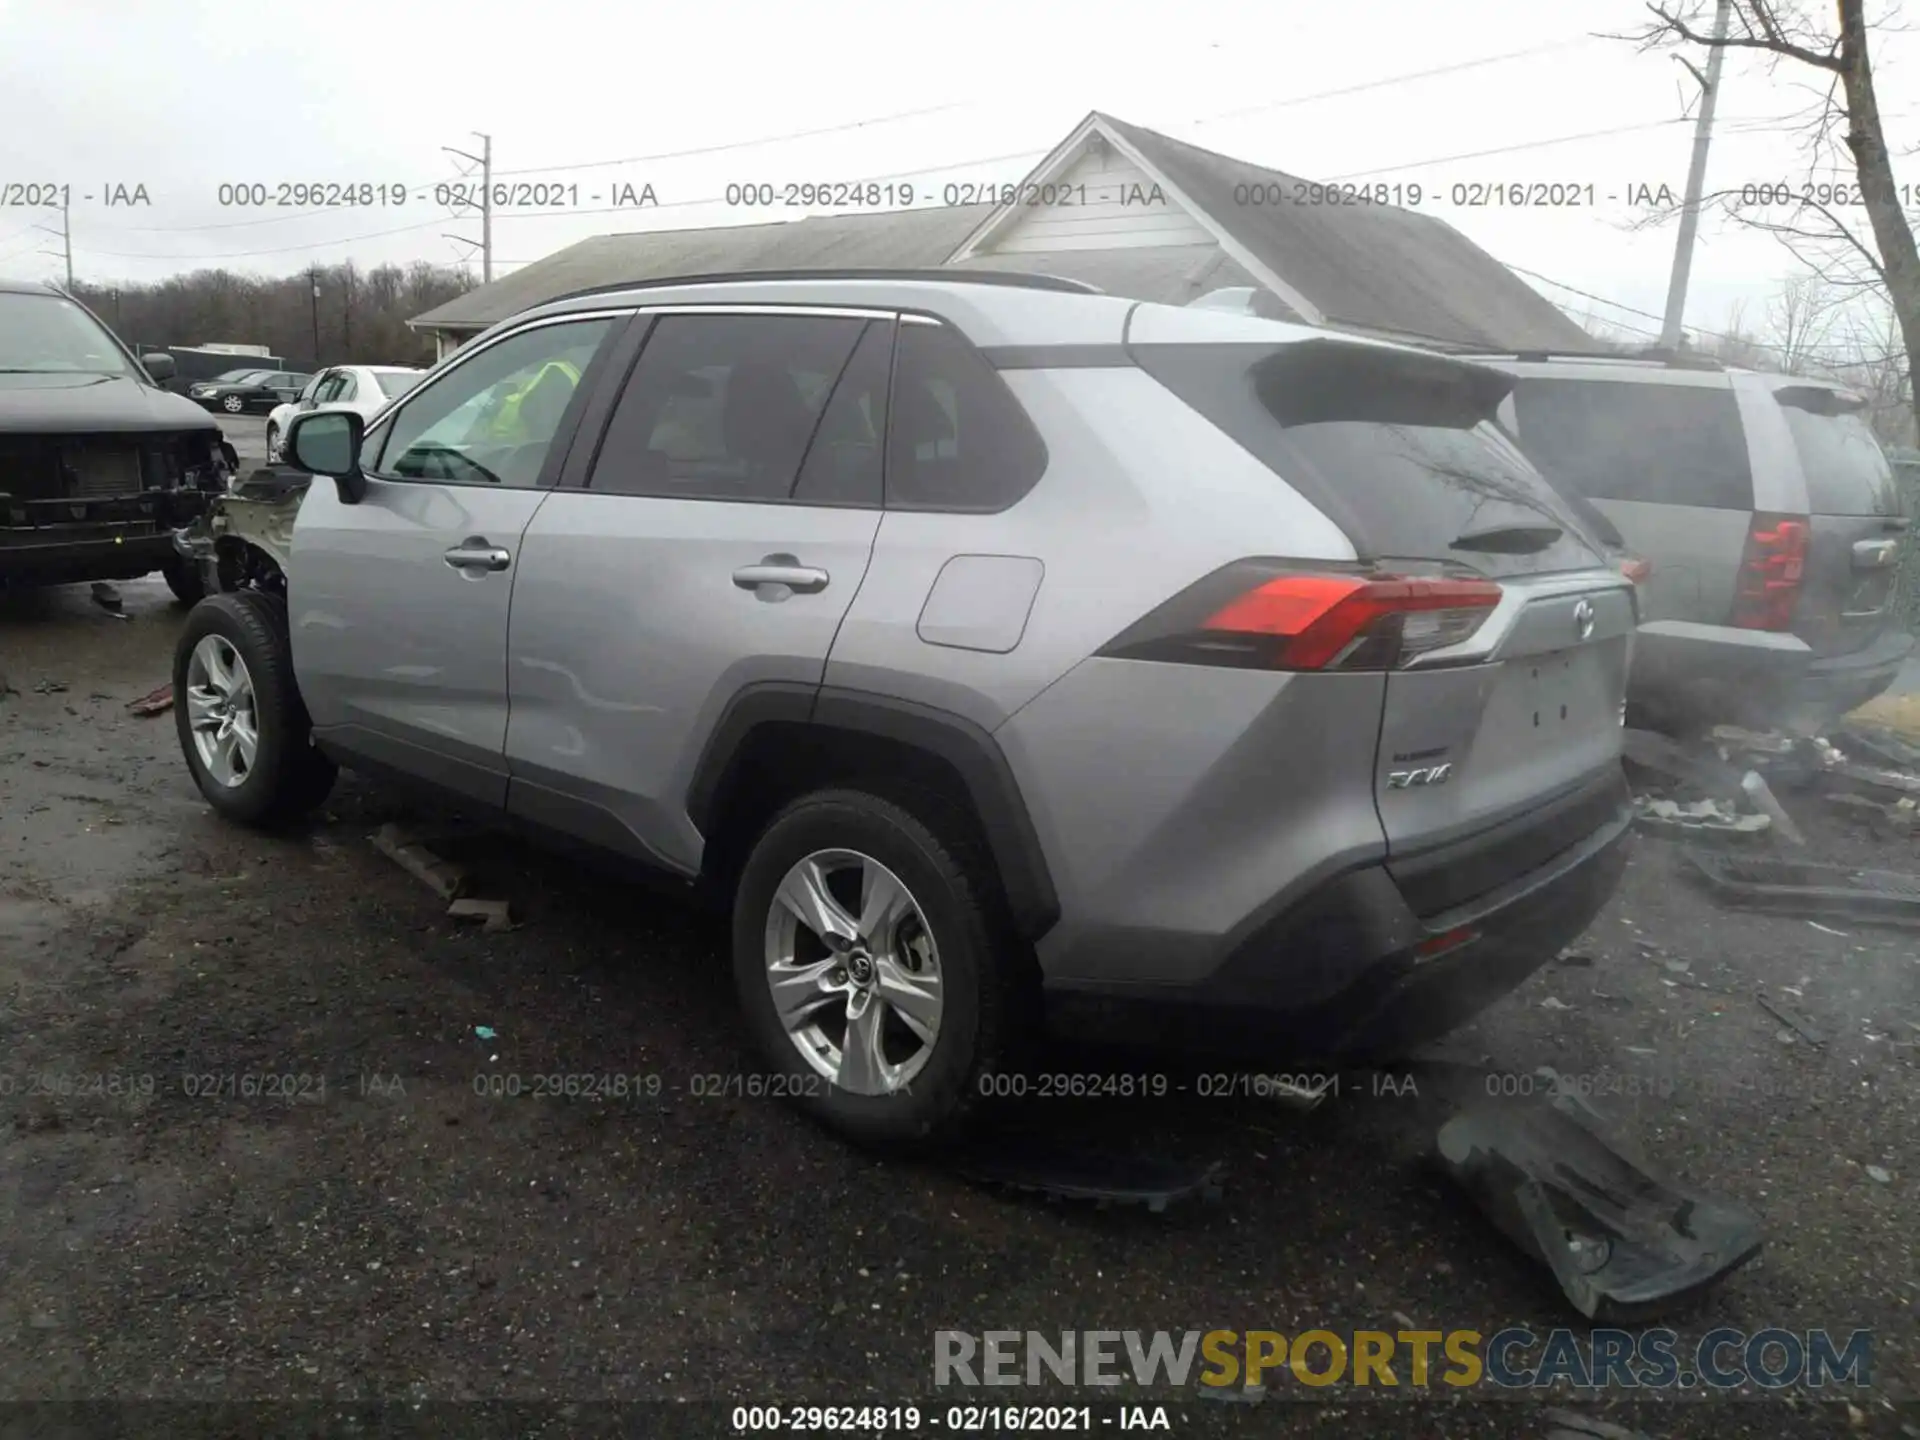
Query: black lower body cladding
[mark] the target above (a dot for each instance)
(1416, 975)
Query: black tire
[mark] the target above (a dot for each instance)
(985, 1003)
(183, 577)
(288, 777)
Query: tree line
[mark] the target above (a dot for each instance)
(359, 317)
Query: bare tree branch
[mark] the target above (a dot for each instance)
(1771, 37)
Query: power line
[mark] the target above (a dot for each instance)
(1400, 79)
(1646, 314)
(560, 214)
(423, 191)
(743, 144)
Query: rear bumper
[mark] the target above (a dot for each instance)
(1373, 926)
(1692, 676)
(1836, 684)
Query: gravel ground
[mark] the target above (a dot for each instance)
(403, 1238)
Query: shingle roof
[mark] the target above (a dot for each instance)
(1374, 266)
(904, 239)
(1171, 274)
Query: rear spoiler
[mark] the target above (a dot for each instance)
(1820, 399)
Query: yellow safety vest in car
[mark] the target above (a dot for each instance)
(507, 428)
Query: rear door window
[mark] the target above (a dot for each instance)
(843, 466)
(723, 407)
(1847, 471)
(1629, 440)
(1398, 449)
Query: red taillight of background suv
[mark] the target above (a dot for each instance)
(1770, 572)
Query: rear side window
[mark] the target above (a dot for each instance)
(956, 438)
(723, 407)
(1398, 449)
(1847, 471)
(1623, 440)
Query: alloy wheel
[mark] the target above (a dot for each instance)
(854, 972)
(221, 711)
(232, 404)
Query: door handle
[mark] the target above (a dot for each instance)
(1874, 554)
(782, 570)
(474, 553)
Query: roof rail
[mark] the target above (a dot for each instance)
(1651, 355)
(1014, 279)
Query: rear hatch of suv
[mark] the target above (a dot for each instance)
(1504, 633)
(1854, 523)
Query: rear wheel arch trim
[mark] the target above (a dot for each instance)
(971, 751)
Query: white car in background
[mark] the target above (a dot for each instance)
(365, 388)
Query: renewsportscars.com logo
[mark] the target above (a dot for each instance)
(1514, 1358)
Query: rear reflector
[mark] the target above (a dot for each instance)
(1448, 940)
(1770, 573)
(1258, 614)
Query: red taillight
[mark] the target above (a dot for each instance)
(1770, 572)
(1636, 570)
(1247, 615)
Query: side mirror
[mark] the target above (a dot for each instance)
(327, 442)
(160, 367)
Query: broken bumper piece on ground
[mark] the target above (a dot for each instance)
(1624, 1244)
(1884, 897)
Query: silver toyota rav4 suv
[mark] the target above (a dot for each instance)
(1000, 651)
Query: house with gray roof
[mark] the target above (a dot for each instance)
(1123, 208)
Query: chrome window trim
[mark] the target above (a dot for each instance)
(463, 355)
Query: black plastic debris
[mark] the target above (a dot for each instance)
(1040, 1164)
(1700, 768)
(1881, 746)
(1697, 817)
(1885, 897)
(1571, 1425)
(1792, 1019)
(1624, 1244)
(1893, 784)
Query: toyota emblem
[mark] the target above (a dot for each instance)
(1583, 619)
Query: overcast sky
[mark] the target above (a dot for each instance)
(188, 95)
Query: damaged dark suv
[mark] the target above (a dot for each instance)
(98, 464)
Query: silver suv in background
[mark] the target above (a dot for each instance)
(997, 650)
(1766, 510)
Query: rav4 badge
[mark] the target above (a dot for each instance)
(1427, 775)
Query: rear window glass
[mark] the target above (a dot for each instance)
(1847, 471)
(395, 383)
(956, 437)
(1399, 450)
(1623, 440)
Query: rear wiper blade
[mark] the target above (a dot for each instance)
(1509, 539)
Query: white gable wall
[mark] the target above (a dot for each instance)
(1104, 222)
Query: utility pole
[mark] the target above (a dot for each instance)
(65, 233)
(1696, 180)
(346, 312)
(485, 161)
(313, 275)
